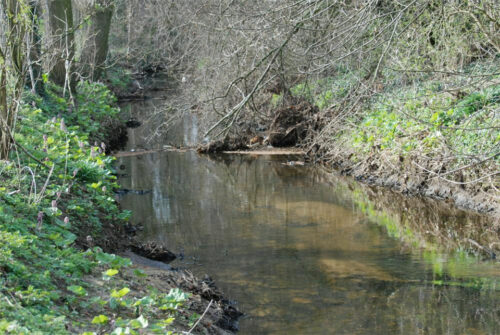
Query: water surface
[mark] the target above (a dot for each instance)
(297, 253)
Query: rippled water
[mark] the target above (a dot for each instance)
(305, 254)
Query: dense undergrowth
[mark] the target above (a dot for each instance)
(56, 199)
(430, 120)
(445, 127)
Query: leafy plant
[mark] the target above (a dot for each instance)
(59, 192)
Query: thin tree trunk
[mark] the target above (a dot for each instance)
(4, 112)
(12, 63)
(60, 38)
(34, 48)
(95, 50)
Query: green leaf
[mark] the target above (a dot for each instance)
(119, 294)
(121, 331)
(125, 215)
(95, 185)
(105, 258)
(140, 322)
(78, 290)
(144, 301)
(100, 319)
(177, 295)
(144, 322)
(113, 303)
(434, 117)
(111, 272)
(139, 273)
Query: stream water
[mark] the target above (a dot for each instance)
(303, 253)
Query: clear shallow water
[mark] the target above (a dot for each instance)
(298, 256)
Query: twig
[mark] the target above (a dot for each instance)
(45, 185)
(8, 301)
(438, 175)
(234, 112)
(201, 317)
(33, 182)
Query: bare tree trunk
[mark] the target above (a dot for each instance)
(12, 63)
(34, 48)
(4, 115)
(60, 39)
(95, 49)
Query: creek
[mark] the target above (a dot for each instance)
(305, 252)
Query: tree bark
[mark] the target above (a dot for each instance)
(96, 44)
(4, 136)
(60, 38)
(12, 64)
(35, 48)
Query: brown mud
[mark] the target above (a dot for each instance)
(407, 179)
(221, 318)
(115, 135)
(153, 251)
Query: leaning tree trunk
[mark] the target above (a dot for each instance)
(95, 48)
(60, 38)
(12, 64)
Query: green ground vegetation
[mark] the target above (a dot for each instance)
(433, 117)
(429, 120)
(57, 190)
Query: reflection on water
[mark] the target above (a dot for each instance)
(160, 125)
(296, 255)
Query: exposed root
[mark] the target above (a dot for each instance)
(291, 124)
